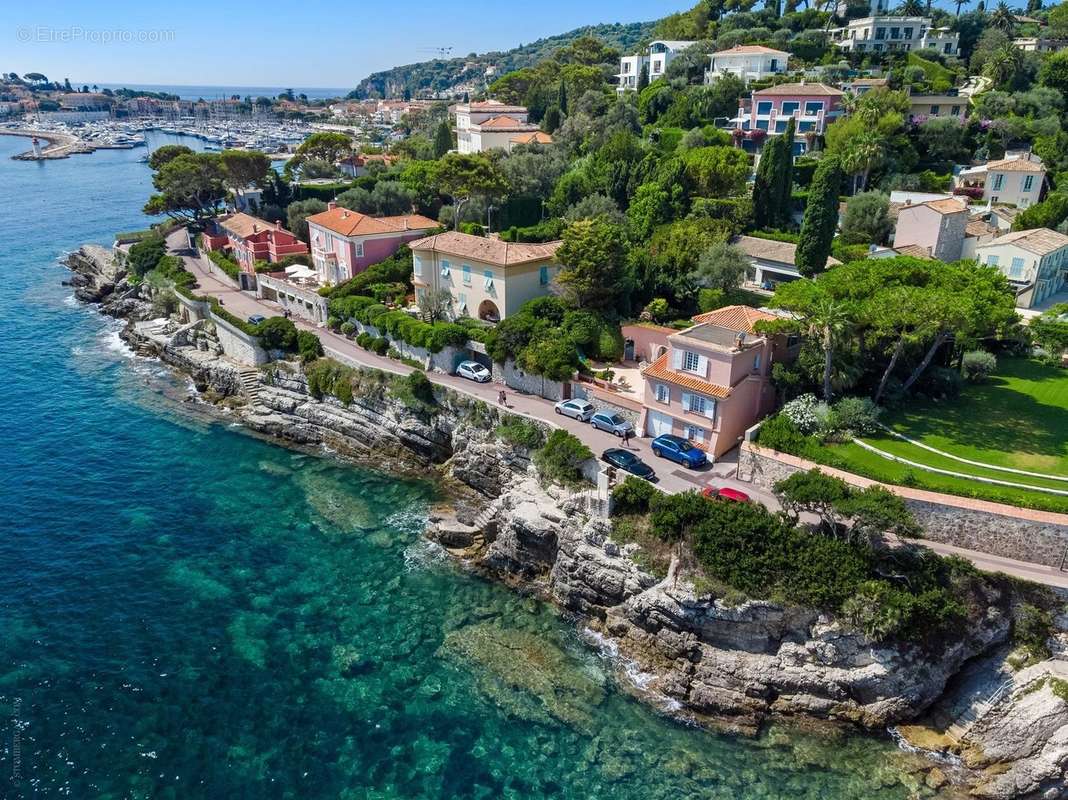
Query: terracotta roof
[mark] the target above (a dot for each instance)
(244, 225)
(1016, 165)
(801, 89)
(1040, 241)
(490, 251)
(750, 49)
(493, 105)
(978, 227)
(534, 137)
(505, 123)
(868, 82)
(659, 371)
(914, 250)
(736, 318)
(947, 206)
(353, 223)
(771, 250)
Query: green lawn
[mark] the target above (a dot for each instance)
(1018, 419)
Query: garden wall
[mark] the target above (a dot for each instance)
(1023, 534)
(515, 378)
(238, 345)
(445, 360)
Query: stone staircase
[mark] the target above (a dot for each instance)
(250, 385)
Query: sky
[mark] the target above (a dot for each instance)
(310, 43)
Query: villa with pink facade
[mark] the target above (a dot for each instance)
(767, 111)
(714, 381)
(251, 239)
(344, 243)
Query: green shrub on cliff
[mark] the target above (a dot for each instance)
(561, 458)
(145, 255)
(632, 495)
(520, 432)
(277, 333)
(308, 346)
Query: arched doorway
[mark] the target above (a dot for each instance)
(658, 351)
(487, 311)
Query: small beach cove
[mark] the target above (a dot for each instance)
(193, 612)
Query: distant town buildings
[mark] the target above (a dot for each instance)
(655, 59)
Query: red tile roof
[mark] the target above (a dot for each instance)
(800, 89)
(244, 225)
(535, 137)
(490, 251)
(353, 223)
(750, 49)
(736, 318)
(659, 370)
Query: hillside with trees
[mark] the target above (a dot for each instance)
(441, 74)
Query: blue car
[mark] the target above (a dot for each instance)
(675, 448)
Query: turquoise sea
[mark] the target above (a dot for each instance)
(189, 612)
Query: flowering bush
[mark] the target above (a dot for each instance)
(803, 412)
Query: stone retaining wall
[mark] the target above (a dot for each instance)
(1023, 534)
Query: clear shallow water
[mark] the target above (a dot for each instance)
(189, 612)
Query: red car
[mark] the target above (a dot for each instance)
(726, 493)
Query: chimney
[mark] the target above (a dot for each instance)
(344, 214)
(278, 224)
(406, 222)
(255, 227)
(331, 206)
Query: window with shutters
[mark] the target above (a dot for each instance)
(359, 249)
(695, 434)
(691, 362)
(467, 274)
(663, 393)
(445, 269)
(696, 404)
(1016, 270)
(488, 276)
(417, 266)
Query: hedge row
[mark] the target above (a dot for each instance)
(225, 263)
(398, 324)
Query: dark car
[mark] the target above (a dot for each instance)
(256, 319)
(675, 448)
(628, 462)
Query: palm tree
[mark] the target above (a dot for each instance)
(830, 320)
(910, 8)
(862, 157)
(1003, 64)
(961, 3)
(1002, 18)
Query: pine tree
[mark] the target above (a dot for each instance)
(821, 218)
(442, 139)
(561, 97)
(643, 77)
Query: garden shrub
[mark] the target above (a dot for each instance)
(1032, 630)
(380, 346)
(143, 256)
(308, 346)
(277, 333)
(780, 433)
(978, 365)
(333, 323)
(854, 416)
(227, 265)
(520, 432)
(941, 383)
(804, 413)
(632, 495)
(347, 328)
(416, 392)
(561, 458)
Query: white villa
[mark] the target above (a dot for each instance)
(750, 62)
(1035, 262)
(489, 124)
(656, 58)
(881, 33)
(1014, 180)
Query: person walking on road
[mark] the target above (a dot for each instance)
(502, 399)
(626, 437)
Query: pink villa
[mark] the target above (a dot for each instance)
(767, 112)
(344, 243)
(251, 239)
(714, 381)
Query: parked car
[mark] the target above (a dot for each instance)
(726, 493)
(256, 319)
(611, 422)
(576, 409)
(473, 371)
(628, 462)
(675, 448)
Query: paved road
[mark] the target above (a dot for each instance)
(672, 477)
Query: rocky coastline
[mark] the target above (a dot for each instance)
(706, 659)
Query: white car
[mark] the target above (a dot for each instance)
(576, 409)
(474, 371)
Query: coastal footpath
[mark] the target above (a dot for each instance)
(707, 657)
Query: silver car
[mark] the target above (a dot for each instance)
(611, 422)
(473, 371)
(576, 409)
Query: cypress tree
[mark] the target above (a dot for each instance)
(784, 186)
(643, 78)
(821, 218)
(551, 121)
(442, 139)
(766, 184)
(561, 97)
